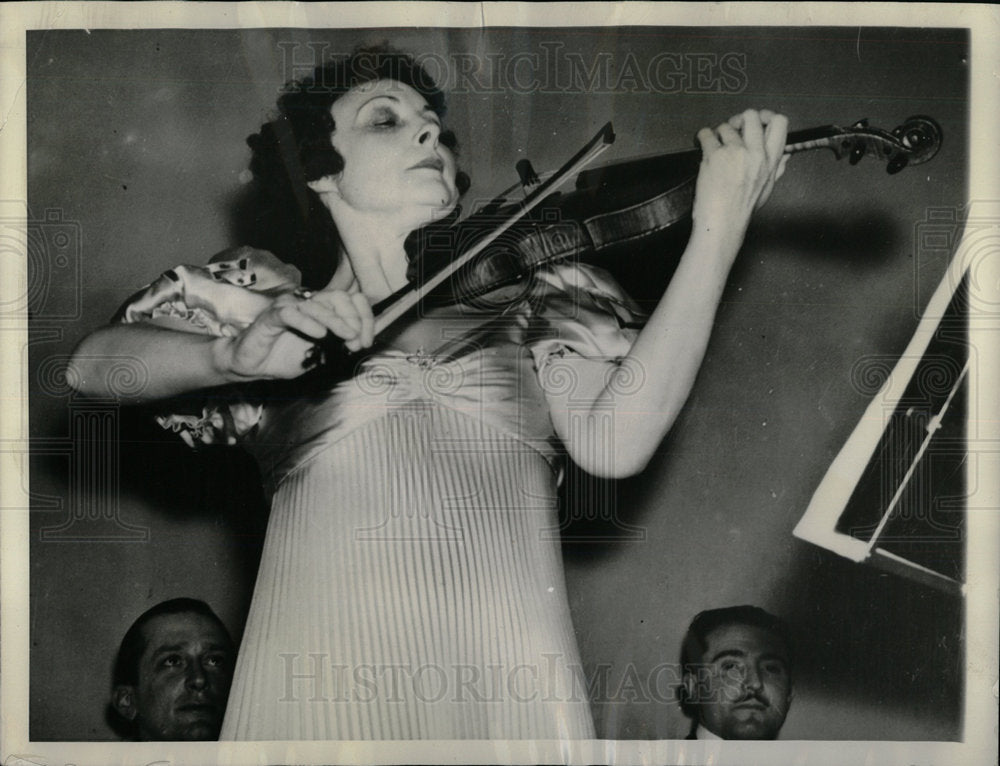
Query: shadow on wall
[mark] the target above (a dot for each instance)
(598, 516)
(177, 483)
(878, 638)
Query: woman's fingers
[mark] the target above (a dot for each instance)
(290, 317)
(708, 140)
(332, 320)
(752, 130)
(761, 129)
(781, 166)
(775, 137)
(348, 316)
(763, 133)
(741, 160)
(344, 307)
(364, 309)
(729, 135)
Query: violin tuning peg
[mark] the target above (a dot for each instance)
(896, 164)
(856, 154)
(861, 123)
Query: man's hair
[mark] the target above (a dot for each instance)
(126, 671)
(696, 639)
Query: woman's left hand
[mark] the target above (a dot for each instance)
(741, 161)
(618, 433)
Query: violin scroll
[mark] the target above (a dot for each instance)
(921, 136)
(915, 141)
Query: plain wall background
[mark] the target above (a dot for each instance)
(136, 149)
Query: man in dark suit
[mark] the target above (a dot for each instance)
(737, 681)
(173, 672)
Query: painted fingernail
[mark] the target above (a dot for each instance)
(314, 358)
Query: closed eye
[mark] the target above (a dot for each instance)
(384, 118)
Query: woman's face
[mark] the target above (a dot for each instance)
(393, 162)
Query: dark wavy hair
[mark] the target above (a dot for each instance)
(696, 639)
(295, 148)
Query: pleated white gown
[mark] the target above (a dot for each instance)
(411, 585)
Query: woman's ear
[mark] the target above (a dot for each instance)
(324, 185)
(123, 701)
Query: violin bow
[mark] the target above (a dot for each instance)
(400, 302)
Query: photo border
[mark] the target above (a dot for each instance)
(979, 744)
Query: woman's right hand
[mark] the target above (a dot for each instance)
(280, 343)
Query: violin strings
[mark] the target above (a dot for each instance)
(595, 147)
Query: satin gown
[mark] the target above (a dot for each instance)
(411, 584)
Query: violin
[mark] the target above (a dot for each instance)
(614, 208)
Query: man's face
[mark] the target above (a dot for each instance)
(744, 688)
(184, 677)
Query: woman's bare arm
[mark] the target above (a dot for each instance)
(171, 362)
(164, 362)
(612, 425)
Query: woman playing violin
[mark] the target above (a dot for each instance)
(410, 586)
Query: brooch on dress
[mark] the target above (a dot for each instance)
(421, 358)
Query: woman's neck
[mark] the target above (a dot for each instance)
(374, 258)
